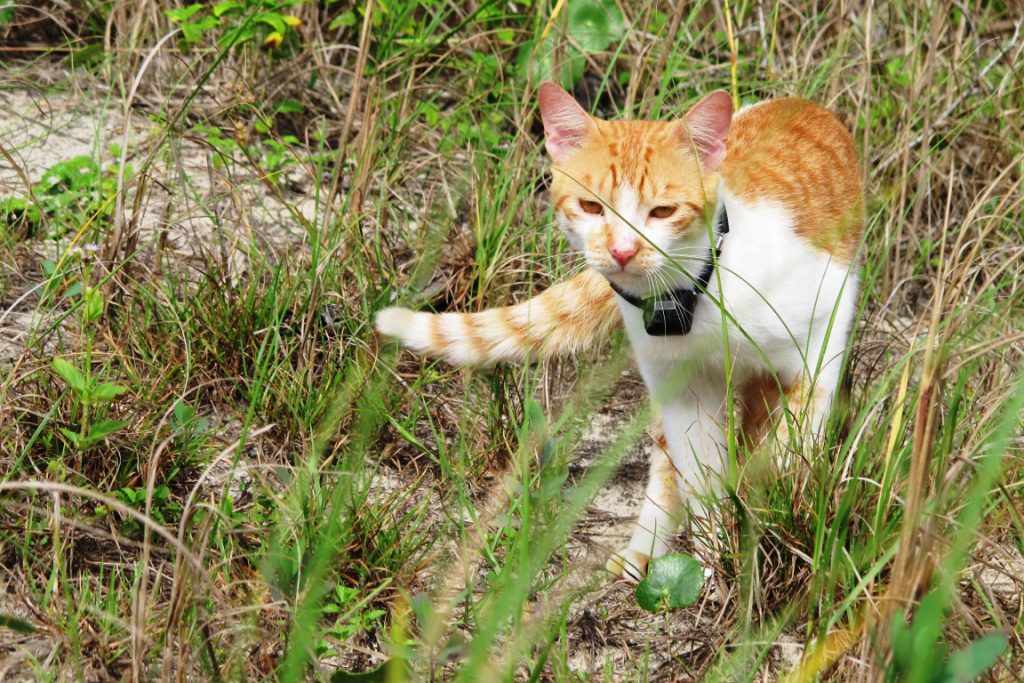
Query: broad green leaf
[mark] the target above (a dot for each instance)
(236, 36)
(191, 32)
(70, 374)
(672, 581)
(103, 429)
(72, 436)
(222, 8)
(181, 14)
(107, 392)
(271, 19)
(595, 24)
(538, 63)
(288, 107)
(77, 173)
(343, 19)
(975, 659)
(90, 54)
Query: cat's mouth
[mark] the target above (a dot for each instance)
(630, 278)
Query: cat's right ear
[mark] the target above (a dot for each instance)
(706, 128)
(566, 124)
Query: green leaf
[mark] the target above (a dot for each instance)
(273, 20)
(15, 624)
(191, 32)
(595, 24)
(103, 429)
(343, 19)
(78, 173)
(70, 374)
(72, 436)
(288, 107)
(236, 36)
(178, 15)
(672, 581)
(90, 54)
(539, 63)
(107, 392)
(975, 659)
(222, 8)
(93, 304)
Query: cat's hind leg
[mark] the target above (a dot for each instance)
(659, 515)
(809, 396)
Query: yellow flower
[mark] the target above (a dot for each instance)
(273, 40)
(292, 20)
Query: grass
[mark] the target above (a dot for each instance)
(263, 490)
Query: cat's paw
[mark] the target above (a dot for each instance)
(395, 322)
(628, 564)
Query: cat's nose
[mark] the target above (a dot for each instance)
(623, 253)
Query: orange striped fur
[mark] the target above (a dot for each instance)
(565, 318)
(797, 153)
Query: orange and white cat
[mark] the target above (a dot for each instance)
(725, 244)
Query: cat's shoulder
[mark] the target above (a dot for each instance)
(799, 154)
(796, 118)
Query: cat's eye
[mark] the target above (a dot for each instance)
(591, 206)
(662, 211)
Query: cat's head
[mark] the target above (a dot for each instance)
(634, 196)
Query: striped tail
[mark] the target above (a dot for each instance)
(565, 318)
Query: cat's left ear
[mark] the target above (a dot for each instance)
(706, 127)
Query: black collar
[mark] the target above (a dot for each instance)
(671, 313)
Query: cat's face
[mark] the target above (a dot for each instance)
(633, 196)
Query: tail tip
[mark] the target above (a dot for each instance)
(394, 321)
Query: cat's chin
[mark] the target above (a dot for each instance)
(637, 284)
(632, 282)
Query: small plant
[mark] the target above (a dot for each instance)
(592, 26)
(353, 617)
(70, 193)
(918, 655)
(239, 23)
(162, 507)
(92, 397)
(673, 581)
(270, 153)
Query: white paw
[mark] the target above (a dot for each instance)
(628, 564)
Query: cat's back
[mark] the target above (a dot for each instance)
(798, 154)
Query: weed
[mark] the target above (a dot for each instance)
(210, 468)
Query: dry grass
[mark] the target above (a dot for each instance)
(253, 209)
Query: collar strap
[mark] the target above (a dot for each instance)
(671, 313)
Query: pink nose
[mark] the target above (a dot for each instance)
(624, 253)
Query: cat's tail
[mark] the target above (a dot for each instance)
(567, 317)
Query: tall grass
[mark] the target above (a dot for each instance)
(283, 497)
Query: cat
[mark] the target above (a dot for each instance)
(726, 244)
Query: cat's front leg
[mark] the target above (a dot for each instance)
(688, 461)
(659, 515)
(695, 433)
